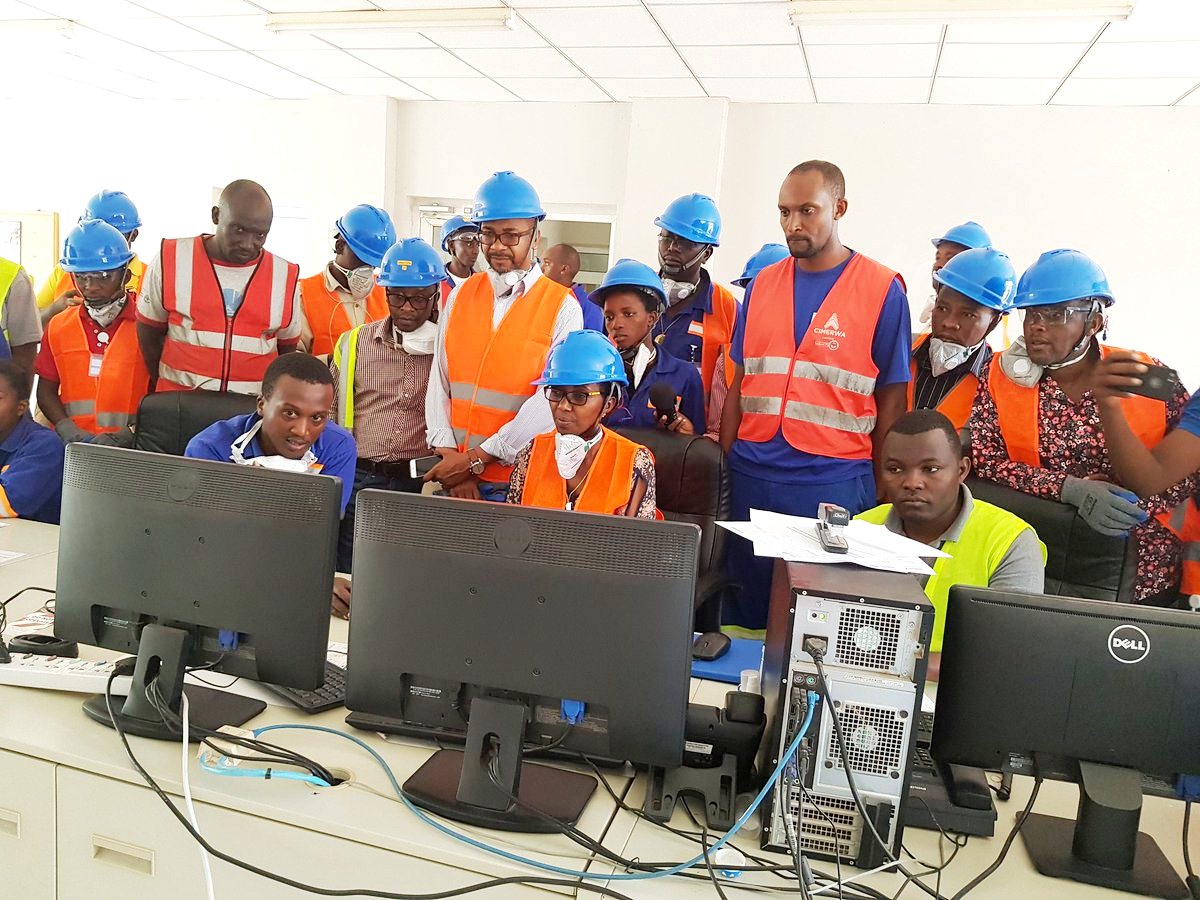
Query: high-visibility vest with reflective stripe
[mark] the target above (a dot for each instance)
(956, 405)
(1018, 411)
(108, 402)
(326, 314)
(716, 333)
(204, 347)
(607, 487)
(445, 289)
(492, 372)
(8, 274)
(345, 357)
(60, 282)
(822, 393)
(1184, 521)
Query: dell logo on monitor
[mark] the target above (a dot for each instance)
(1128, 644)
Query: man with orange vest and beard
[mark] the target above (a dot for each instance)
(91, 373)
(481, 407)
(216, 309)
(344, 294)
(821, 355)
(975, 291)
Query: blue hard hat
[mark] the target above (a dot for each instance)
(115, 208)
(693, 217)
(506, 195)
(584, 357)
(629, 273)
(969, 234)
(766, 255)
(411, 263)
(985, 275)
(369, 232)
(453, 226)
(94, 246)
(1059, 276)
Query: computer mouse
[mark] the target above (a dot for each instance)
(710, 645)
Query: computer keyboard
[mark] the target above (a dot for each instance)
(57, 673)
(329, 695)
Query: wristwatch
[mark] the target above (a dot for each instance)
(476, 464)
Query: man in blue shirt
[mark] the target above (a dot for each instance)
(31, 457)
(291, 431)
(561, 263)
(769, 472)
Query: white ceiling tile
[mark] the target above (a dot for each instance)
(466, 89)
(157, 34)
(522, 63)
(91, 9)
(375, 39)
(236, 65)
(13, 9)
(726, 23)
(895, 33)
(872, 90)
(547, 4)
(747, 62)
(180, 9)
(630, 62)
(1016, 60)
(320, 63)
(994, 91)
(432, 4)
(374, 87)
(1050, 31)
(1142, 60)
(521, 35)
(709, 2)
(761, 90)
(624, 89)
(1157, 20)
(1122, 91)
(555, 90)
(293, 89)
(1192, 99)
(618, 26)
(871, 60)
(280, 6)
(250, 33)
(417, 63)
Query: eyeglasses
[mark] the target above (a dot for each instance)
(507, 238)
(666, 239)
(97, 276)
(415, 301)
(470, 238)
(1053, 315)
(575, 398)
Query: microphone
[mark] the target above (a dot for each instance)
(662, 398)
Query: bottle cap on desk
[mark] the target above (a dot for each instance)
(749, 681)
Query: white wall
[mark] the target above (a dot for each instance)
(1120, 184)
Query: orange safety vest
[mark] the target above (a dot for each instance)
(204, 347)
(1018, 411)
(956, 405)
(492, 371)
(822, 393)
(716, 333)
(446, 287)
(326, 313)
(607, 487)
(1184, 521)
(109, 401)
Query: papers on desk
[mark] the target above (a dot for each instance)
(7, 556)
(794, 538)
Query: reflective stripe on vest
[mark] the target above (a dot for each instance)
(1018, 412)
(345, 357)
(204, 347)
(109, 401)
(607, 486)
(956, 405)
(491, 373)
(820, 394)
(326, 312)
(1184, 523)
(974, 557)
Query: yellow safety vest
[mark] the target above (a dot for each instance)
(346, 350)
(986, 539)
(8, 274)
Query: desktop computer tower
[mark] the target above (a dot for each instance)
(877, 627)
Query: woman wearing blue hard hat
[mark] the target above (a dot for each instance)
(975, 291)
(632, 298)
(1036, 425)
(460, 238)
(581, 465)
(344, 295)
(115, 208)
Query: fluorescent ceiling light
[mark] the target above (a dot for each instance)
(499, 19)
(841, 12)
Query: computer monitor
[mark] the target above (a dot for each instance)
(188, 562)
(486, 622)
(1089, 691)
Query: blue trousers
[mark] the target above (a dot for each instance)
(749, 609)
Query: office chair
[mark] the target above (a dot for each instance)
(167, 421)
(692, 485)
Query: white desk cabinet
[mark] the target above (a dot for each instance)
(27, 813)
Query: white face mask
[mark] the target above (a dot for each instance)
(107, 314)
(570, 449)
(419, 342)
(279, 463)
(947, 355)
(360, 282)
(641, 360)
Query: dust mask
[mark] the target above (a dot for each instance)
(105, 314)
(945, 356)
(237, 452)
(677, 291)
(570, 450)
(360, 281)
